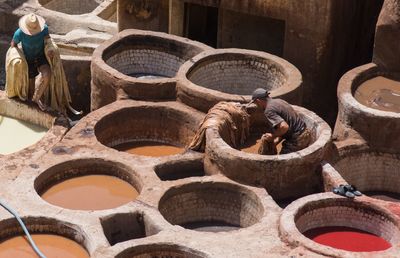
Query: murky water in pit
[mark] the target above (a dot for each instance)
(380, 93)
(52, 246)
(253, 142)
(149, 148)
(92, 192)
(16, 135)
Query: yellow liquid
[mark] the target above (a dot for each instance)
(93, 192)
(52, 246)
(16, 135)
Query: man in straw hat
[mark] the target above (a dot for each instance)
(32, 34)
(285, 122)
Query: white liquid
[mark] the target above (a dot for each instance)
(16, 135)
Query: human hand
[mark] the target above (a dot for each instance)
(268, 137)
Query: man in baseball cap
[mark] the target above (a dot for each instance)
(32, 33)
(286, 123)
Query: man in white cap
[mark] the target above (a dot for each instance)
(32, 34)
(285, 122)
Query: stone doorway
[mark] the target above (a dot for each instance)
(201, 23)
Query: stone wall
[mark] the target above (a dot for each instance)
(143, 14)
(387, 38)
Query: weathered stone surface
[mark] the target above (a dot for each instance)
(387, 37)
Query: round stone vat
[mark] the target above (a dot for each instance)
(375, 174)
(340, 224)
(286, 176)
(233, 74)
(25, 128)
(365, 121)
(53, 238)
(88, 184)
(147, 129)
(211, 206)
(160, 250)
(74, 7)
(143, 64)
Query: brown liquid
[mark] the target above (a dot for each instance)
(93, 192)
(380, 93)
(149, 148)
(253, 142)
(52, 246)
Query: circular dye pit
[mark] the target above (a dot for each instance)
(375, 174)
(147, 129)
(379, 93)
(332, 226)
(92, 192)
(149, 148)
(142, 63)
(52, 246)
(212, 207)
(348, 239)
(233, 74)
(16, 135)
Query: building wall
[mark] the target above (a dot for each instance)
(387, 46)
(143, 14)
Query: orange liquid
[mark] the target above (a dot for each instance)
(380, 93)
(149, 148)
(93, 192)
(52, 246)
(252, 144)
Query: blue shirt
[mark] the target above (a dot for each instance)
(33, 46)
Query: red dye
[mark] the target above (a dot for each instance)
(348, 239)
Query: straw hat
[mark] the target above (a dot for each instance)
(31, 24)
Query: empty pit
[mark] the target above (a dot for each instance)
(125, 226)
(142, 63)
(160, 250)
(211, 206)
(342, 224)
(373, 173)
(147, 130)
(180, 170)
(53, 238)
(88, 184)
(285, 177)
(232, 75)
(73, 7)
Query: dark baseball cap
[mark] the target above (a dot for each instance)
(259, 93)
